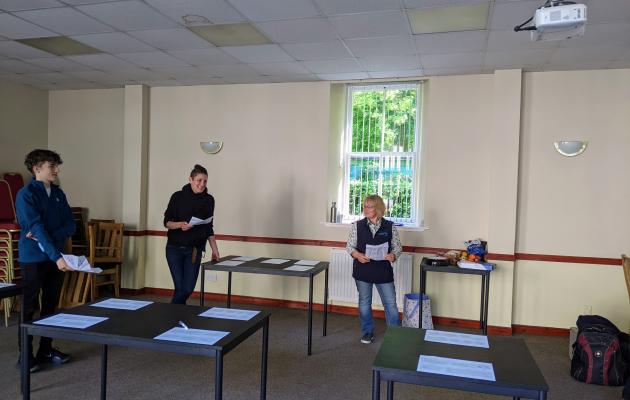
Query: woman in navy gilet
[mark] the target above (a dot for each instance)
(374, 230)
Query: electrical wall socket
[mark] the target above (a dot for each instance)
(211, 276)
(587, 309)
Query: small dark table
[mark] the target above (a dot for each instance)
(485, 286)
(12, 291)
(136, 329)
(257, 267)
(516, 372)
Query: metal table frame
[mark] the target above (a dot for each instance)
(104, 339)
(255, 267)
(485, 286)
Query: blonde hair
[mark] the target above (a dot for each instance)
(379, 204)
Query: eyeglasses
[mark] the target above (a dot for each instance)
(370, 206)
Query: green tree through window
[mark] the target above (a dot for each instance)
(381, 152)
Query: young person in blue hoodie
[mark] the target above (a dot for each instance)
(46, 223)
(186, 243)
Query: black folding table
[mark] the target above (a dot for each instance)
(137, 329)
(257, 266)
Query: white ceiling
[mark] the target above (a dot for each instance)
(146, 42)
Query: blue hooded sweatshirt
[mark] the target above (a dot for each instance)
(48, 218)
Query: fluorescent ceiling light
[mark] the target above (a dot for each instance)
(449, 19)
(60, 46)
(241, 34)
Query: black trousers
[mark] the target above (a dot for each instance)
(48, 279)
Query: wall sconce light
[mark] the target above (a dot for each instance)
(571, 148)
(211, 147)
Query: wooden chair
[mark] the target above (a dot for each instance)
(625, 261)
(106, 252)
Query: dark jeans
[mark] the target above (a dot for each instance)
(183, 270)
(44, 276)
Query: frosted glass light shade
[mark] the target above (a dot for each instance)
(211, 147)
(570, 148)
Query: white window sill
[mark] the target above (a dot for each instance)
(403, 228)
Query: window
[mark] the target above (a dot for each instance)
(381, 149)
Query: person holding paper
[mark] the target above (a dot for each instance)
(46, 223)
(186, 236)
(374, 232)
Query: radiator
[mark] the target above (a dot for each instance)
(343, 288)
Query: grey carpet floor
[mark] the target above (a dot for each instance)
(340, 368)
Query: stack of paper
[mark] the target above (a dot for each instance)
(80, 263)
(475, 265)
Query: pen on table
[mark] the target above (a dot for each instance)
(183, 325)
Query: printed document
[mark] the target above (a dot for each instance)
(455, 367)
(298, 267)
(462, 339)
(229, 263)
(198, 336)
(2, 284)
(122, 304)
(80, 263)
(71, 321)
(229, 313)
(196, 221)
(307, 262)
(275, 261)
(244, 258)
(376, 253)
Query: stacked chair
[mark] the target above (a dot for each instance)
(9, 236)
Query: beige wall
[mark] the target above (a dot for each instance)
(23, 124)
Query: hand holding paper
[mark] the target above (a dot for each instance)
(196, 221)
(376, 253)
(79, 263)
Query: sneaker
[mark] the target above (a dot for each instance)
(53, 356)
(32, 362)
(367, 338)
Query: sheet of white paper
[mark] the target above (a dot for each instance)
(244, 258)
(71, 321)
(376, 253)
(2, 284)
(229, 263)
(275, 261)
(197, 221)
(462, 339)
(122, 304)
(455, 367)
(474, 265)
(198, 336)
(80, 263)
(307, 262)
(298, 267)
(229, 313)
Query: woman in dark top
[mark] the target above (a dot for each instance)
(186, 242)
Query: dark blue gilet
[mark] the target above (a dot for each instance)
(373, 271)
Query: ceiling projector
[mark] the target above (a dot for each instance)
(556, 20)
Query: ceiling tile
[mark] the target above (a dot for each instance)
(510, 14)
(447, 42)
(64, 20)
(105, 62)
(18, 5)
(20, 67)
(608, 11)
(469, 59)
(212, 56)
(216, 11)
(442, 3)
(270, 10)
(349, 76)
(113, 42)
(58, 64)
(94, 76)
(168, 39)
(390, 63)
(586, 57)
(333, 66)
(16, 28)
(299, 30)
(334, 7)
(258, 54)
(152, 59)
(292, 67)
(384, 46)
(185, 72)
(79, 2)
(54, 77)
(294, 78)
(449, 19)
(128, 15)
(185, 82)
(452, 71)
(19, 50)
(393, 23)
(408, 73)
(518, 59)
(138, 74)
(317, 51)
(596, 34)
(510, 40)
(229, 70)
(247, 79)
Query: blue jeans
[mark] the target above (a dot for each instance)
(387, 291)
(183, 271)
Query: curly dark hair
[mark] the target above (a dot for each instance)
(40, 156)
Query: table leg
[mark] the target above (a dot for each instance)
(325, 299)
(21, 321)
(542, 395)
(310, 312)
(423, 281)
(25, 372)
(485, 319)
(263, 365)
(390, 390)
(482, 304)
(218, 376)
(376, 385)
(104, 372)
(229, 294)
(203, 282)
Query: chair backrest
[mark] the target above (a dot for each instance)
(15, 182)
(625, 261)
(105, 242)
(7, 208)
(75, 290)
